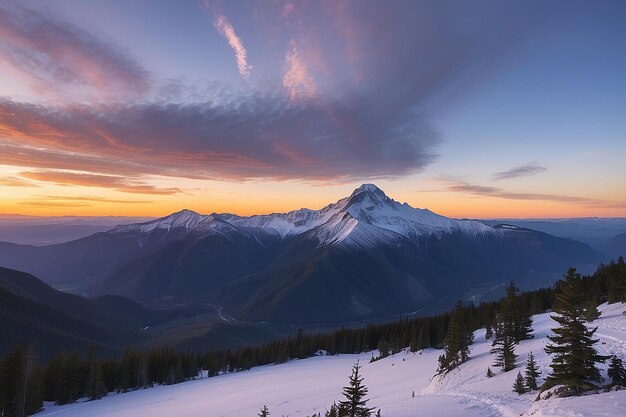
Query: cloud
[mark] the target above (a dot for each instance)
(463, 187)
(15, 182)
(91, 180)
(56, 57)
(95, 199)
(297, 78)
(226, 29)
(288, 9)
(520, 171)
(75, 201)
(378, 66)
(252, 137)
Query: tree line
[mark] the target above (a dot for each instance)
(68, 376)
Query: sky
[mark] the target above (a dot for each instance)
(483, 109)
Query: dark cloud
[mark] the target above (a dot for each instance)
(122, 184)
(520, 171)
(54, 56)
(251, 137)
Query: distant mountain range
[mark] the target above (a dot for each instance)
(40, 231)
(601, 234)
(364, 256)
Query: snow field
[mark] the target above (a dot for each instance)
(304, 387)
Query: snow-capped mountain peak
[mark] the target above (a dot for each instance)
(187, 219)
(369, 197)
(366, 215)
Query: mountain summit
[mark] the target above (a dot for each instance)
(365, 217)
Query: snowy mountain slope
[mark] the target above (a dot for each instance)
(304, 387)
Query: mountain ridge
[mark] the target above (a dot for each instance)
(365, 255)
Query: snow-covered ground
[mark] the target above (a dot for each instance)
(304, 387)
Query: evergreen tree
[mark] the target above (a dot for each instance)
(616, 371)
(518, 385)
(456, 342)
(355, 404)
(94, 386)
(503, 346)
(383, 349)
(333, 411)
(423, 337)
(20, 383)
(414, 343)
(517, 314)
(575, 358)
(532, 372)
(11, 379)
(513, 324)
(488, 331)
(489, 373)
(264, 412)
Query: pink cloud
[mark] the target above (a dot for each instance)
(56, 58)
(297, 78)
(226, 29)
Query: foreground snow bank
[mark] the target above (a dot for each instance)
(304, 387)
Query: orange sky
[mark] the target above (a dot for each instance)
(257, 197)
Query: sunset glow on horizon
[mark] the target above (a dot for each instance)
(487, 110)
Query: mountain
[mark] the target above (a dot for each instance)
(364, 256)
(39, 231)
(33, 312)
(595, 231)
(616, 246)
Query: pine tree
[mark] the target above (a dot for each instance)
(264, 412)
(355, 404)
(11, 379)
(532, 372)
(616, 371)
(423, 337)
(513, 324)
(383, 349)
(414, 343)
(504, 346)
(591, 311)
(575, 358)
(94, 386)
(456, 342)
(489, 373)
(518, 385)
(333, 411)
(488, 331)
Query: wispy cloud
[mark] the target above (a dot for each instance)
(226, 29)
(91, 180)
(475, 189)
(297, 78)
(87, 198)
(47, 203)
(58, 58)
(75, 201)
(15, 182)
(525, 170)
